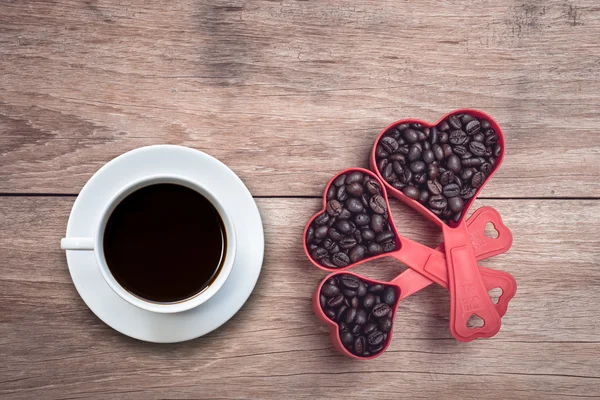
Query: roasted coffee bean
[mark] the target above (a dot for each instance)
(388, 173)
(438, 152)
(397, 167)
(456, 204)
(350, 315)
(458, 137)
(437, 202)
(365, 199)
(414, 153)
(369, 300)
(423, 197)
(428, 156)
(466, 174)
(477, 148)
(377, 223)
(397, 157)
(331, 192)
(341, 259)
(398, 185)
(375, 249)
(453, 164)
(454, 122)
(486, 168)
(471, 162)
(349, 282)
(330, 313)
(322, 219)
(360, 344)
(485, 124)
(347, 338)
(389, 296)
(345, 214)
(380, 152)
(347, 243)
(369, 327)
(334, 208)
(497, 150)
(329, 290)
(340, 180)
(335, 235)
(380, 310)
(444, 138)
(434, 187)
(417, 166)
(385, 324)
(467, 192)
(490, 140)
(478, 137)
(420, 178)
(411, 192)
(477, 179)
(388, 246)
(375, 338)
(310, 234)
(326, 262)
(411, 136)
(357, 253)
(361, 317)
(377, 204)
(339, 315)
(336, 301)
(362, 289)
(322, 301)
(362, 219)
(344, 226)
(381, 164)
(385, 237)
(372, 187)
(451, 190)
(466, 118)
(460, 150)
(355, 189)
(321, 232)
(349, 294)
(354, 176)
(473, 127)
(377, 288)
(389, 144)
(341, 194)
(406, 177)
(433, 171)
(354, 205)
(368, 235)
(446, 177)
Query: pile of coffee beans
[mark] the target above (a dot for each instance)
(363, 312)
(354, 224)
(441, 167)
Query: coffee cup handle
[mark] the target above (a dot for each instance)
(77, 243)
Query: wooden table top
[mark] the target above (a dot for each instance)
(287, 93)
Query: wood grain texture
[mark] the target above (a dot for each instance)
(289, 92)
(52, 346)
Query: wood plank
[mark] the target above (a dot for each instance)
(282, 90)
(52, 346)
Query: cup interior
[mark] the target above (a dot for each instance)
(216, 282)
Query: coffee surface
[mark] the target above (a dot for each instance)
(164, 243)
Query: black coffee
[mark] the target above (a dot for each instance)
(164, 243)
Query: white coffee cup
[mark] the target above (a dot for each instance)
(95, 244)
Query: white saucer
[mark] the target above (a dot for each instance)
(196, 166)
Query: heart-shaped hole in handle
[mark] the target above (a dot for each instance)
(355, 224)
(439, 169)
(360, 311)
(475, 321)
(490, 231)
